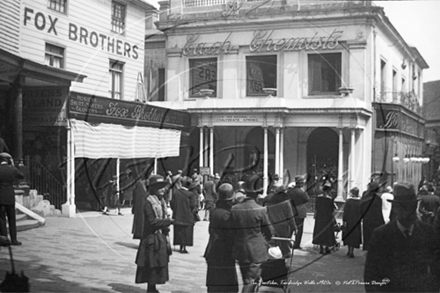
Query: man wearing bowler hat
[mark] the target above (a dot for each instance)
(253, 229)
(403, 254)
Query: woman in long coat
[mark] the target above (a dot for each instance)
(323, 233)
(352, 234)
(371, 211)
(153, 253)
(183, 204)
(221, 275)
(140, 195)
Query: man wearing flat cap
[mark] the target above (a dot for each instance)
(8, 174)
(403, 254)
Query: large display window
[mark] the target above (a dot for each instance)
(203, 76)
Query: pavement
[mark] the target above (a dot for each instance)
(96, 253)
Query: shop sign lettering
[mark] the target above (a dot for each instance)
(263, 42)
(80, 34)
(98, 109)
(237, 118)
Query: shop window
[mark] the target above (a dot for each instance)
(324, 73)
(54, 56)
(58, 5)
(115, 79)
(261, 72)
(118, 17)
(203, 76)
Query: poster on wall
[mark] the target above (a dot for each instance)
(44, 106)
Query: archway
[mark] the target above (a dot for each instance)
(322, 157)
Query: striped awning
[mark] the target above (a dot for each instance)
(106, 140)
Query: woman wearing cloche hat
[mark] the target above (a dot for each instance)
(154, 250)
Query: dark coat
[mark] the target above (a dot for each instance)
(183, 203)
(252, 228)
(352, 234)
(298, 198)
(152, 257)
(221, 275)
(139, 196)
(209, 192)
(371, 210)
(323, 231)
(8, 174)
(408, 263)
(281, 217)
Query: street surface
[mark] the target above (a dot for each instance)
(96, 253)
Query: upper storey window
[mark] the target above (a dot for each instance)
(58, 5)
(324, 73)
(54, 56)
(203, 76)
(118, 17)
(261, 72)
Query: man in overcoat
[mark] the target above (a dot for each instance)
(221, 275)
(8, 174)
(210, 195)
(403, 254)
(253, 229)
(298, 199)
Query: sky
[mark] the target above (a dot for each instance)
(417, 22)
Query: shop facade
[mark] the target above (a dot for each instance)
(51, 49)
(275, 88)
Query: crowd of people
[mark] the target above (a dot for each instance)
(244, 226)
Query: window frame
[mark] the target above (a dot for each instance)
(58, 2)
(191, 88)
(112, 72)
(275, 72)
(55, 55)
(115, 21)
(310, 80)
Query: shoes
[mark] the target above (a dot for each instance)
(351, 255)
(105, 213)
(16, 243)
(297, 247)
(184, 251)
(327, 251)
(205, 220)
(120, 214)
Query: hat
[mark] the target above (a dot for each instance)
(217, 176)
(5, 156)
(404, 192)
(223, 191)
(299, 178)
(275, 252)
(179, 172)
(291, 185)
(276, 177)
(327, 184)
(354, 191)
(373, 186)
(157, 181)
(253, 184)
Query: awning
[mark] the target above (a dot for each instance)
(106, 140)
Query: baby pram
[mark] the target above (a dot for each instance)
(275, 273)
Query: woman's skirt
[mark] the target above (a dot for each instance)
(183, 235)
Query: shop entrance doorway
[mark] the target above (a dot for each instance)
(322, 158)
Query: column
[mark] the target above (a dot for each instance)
(18, 123)
(353, 158)
(211, 153)
(69, 208)
(277, 150)
(281, 155)
(118, 166)
(201, 147)
(340, 166)
(265, 163)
